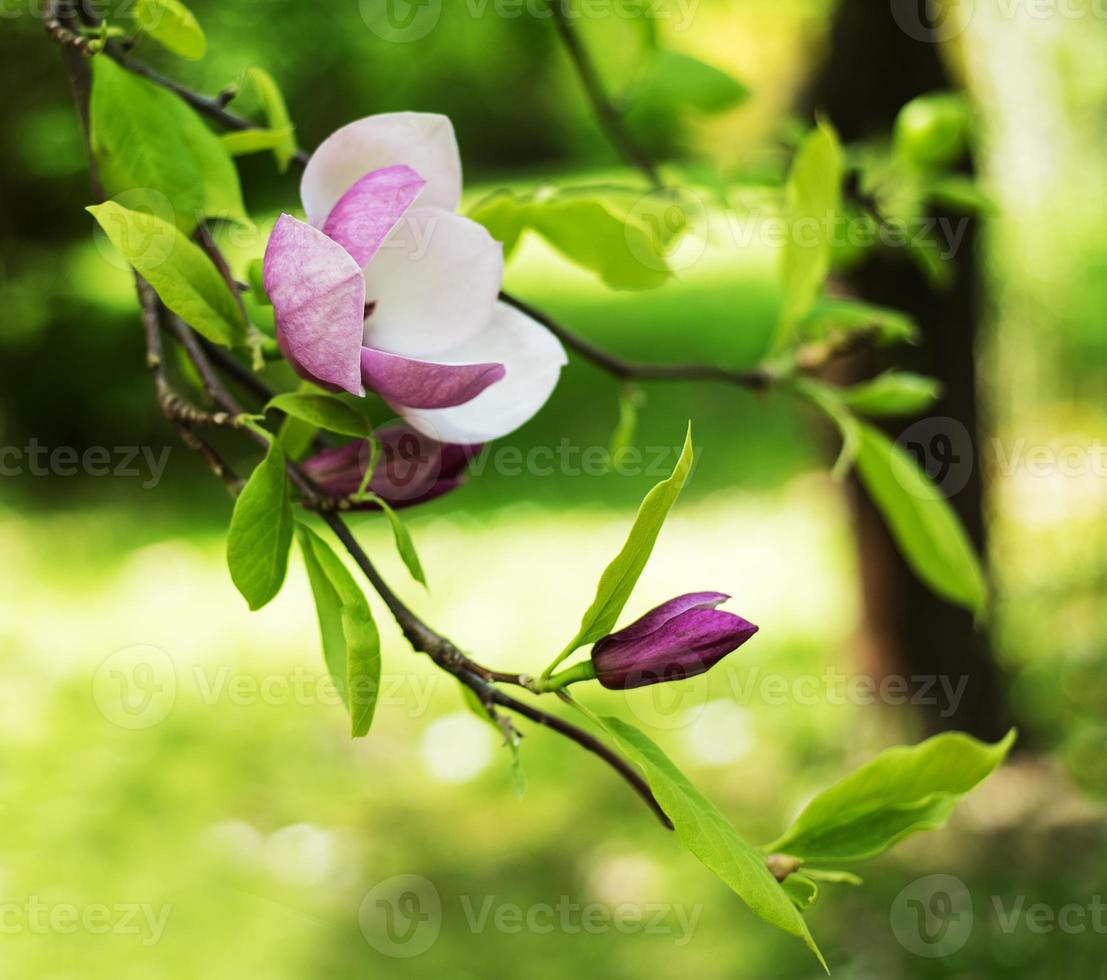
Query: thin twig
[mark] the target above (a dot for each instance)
(181, 413)
(756, 380)
(609, 118)
(421, 636)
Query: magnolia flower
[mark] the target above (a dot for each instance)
(412, 467)
(680, 638)
(387, 288)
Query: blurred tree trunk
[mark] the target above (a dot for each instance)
(872, 68)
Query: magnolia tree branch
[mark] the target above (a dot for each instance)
(609, 117)
(184, 416)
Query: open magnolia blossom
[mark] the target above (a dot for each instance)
(386, 288)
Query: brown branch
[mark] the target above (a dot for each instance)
(182, 414)
(756, 380)
(609, 118)
(422, 637)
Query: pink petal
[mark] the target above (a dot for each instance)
(421, 140)
(370, 209)
(318, 296)
(533, 358)
(425, 384)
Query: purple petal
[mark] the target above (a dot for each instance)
(660, 615)
(412, 469)
(370, 209)
(413, 383)
(686, 645)
(318, 297)
(337, 472)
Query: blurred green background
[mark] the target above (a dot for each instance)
(222, 789)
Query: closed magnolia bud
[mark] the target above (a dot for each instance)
(412, 468)
(680, 638)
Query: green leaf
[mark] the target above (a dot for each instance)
(901, 791)
(173, 26)
(704, 831)
(921, 520)
(622, 438)
(894, 393)
(351, 642)
(621, 575)
(255, 273)
(676, 79)
(276, 114)
(242, 142)
(590, 227)
(812, 202)
(961, 193)
(324, 411)
(833, 877)
(588, 231)
(177, 269)
(836, 319)
(261, 531)
(932, 130)
(801, 889)
(148, 142)
(504, 214)
(404, 545)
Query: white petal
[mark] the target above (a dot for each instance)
(421, 140)
(533, 357)
(434, 282)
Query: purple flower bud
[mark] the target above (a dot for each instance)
(412, 468)
(680, 638)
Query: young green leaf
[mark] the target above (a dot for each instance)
(921, 520)
(148, 142)
(324, 411)
(276, 114)
(618, 236)
(704, 831)
(173, 26)
(242, 142)
(812, 202)
(801, 890)
(832, 319)
(505, 216)
(255, 273)
(901, 791)
(179, 272)
(622, 438)
(261, 531)
(893, 393)
(589, 231)
(404, 545)
(619, 578)
(136, 144)
(351, 643)
(676, 79)
(957, 192)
